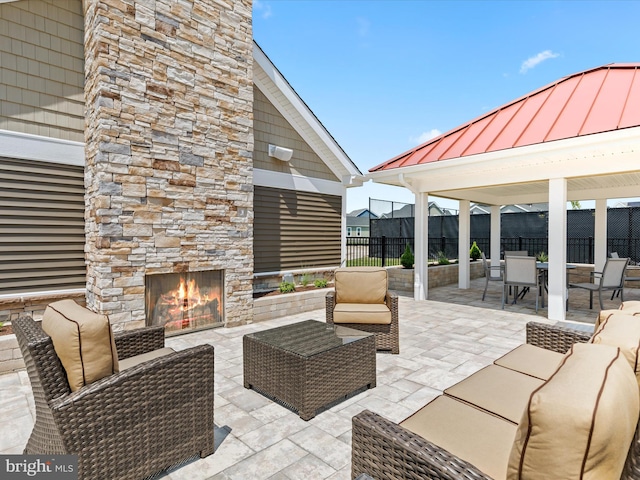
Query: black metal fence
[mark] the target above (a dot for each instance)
(386, 251)
(519, 231)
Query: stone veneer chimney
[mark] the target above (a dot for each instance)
(169, 141)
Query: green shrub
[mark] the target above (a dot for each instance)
(287, 287)
(320, 283)
(406, 259)
(475, 252)
(442, 258)
(306, 279)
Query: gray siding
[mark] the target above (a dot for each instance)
(41, 226)
(269, 126)
(42, 68)
(295, 230)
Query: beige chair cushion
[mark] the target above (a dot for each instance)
(480, 438)
(602, 316)
(144, 357)
(622, 331)
(497, 390)
(360, 285)
(580, 423)
(531, 360)
(82, 340)
(367, 313)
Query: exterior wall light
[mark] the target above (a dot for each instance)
(281, 153)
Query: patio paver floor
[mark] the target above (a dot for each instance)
(442, 341)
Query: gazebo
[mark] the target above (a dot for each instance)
(576, 139)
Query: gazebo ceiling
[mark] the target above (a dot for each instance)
(625, 185)
(585, 128)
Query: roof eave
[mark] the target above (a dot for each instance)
(280, 93)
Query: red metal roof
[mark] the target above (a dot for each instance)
(595, 101)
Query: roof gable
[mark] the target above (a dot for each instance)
(603, 99)
(285, 99)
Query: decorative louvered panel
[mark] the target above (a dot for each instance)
(41, 226)
(294, 230)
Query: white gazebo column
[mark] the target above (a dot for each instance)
(464, 239)
(421, 254)
(600, 233)
(557, 273)
(495, 240)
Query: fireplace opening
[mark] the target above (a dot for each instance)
(183, 302)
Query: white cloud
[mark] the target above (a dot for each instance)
(532, 62)
(425, 136)
(263, 8)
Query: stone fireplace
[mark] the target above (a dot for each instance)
(169, 146)
(183, 302)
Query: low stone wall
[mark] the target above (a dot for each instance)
(34, 305)
(267, 308)
(401, 279)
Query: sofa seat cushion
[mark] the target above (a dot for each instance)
(480, 438)
(580, 423)
(631, 306)
(82, 340)
(366, 313)
(360, 285)
(144, 357)
(531, 360)
(622, 331)
(497, 390)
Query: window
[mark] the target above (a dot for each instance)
(359, 231)
(348, 231)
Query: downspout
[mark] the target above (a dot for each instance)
(406, 183)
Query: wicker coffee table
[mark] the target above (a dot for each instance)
(309, 365)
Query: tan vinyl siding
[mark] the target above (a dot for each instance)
(42, 68)
(41, 226)
(294, 230)
(270, 127)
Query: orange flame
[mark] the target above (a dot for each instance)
(186, 297)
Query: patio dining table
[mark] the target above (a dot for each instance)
(543, 269)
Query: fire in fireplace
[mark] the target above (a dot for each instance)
(183, 302)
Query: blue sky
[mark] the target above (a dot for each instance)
(384, 76)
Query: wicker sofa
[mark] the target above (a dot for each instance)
(362, 300)
(155, 413)
(484, 416)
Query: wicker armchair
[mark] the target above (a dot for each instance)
(385, 450)
(387, 334)
(129, 425)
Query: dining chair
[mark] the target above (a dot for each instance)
(611, 278)
(517, 253)
(520, 271)
(488, 276)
